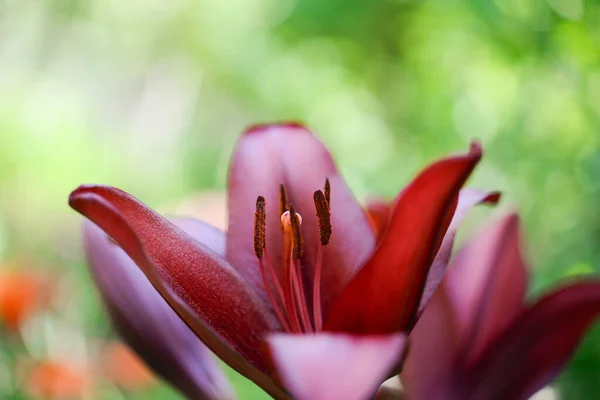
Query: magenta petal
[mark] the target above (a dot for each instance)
(537, 345)
(434, 342)
(487, 284)
(289, 154)
(334, 366)
(149, 325)
(201, 287)
(467, 199)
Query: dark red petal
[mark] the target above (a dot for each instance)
(466, 200)
(537, 346)
(148, 324)
(434, 343)
(202, 288)
(270, 155)
(333, 366)
(384, 295)
(486, 284)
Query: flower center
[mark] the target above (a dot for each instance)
(288, 297)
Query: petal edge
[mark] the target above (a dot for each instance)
(153, 243)
(384, 295)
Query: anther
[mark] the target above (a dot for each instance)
(296, 221)
(259, 227)
(323, 216)
(327, 190)
(283, 200)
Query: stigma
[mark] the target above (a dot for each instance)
(288, 296)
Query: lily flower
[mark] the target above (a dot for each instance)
(479, 339)
(300, 259)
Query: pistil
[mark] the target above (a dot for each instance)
(289, 294)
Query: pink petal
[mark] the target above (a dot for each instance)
(289, 154)
(332, 367)
(429, 367)
(487, 283)
(149, 324)
(384, 295)
(537, 345)
(201, 287)
(467, 199)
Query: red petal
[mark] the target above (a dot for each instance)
(487, 284)
(267, 156)
(201, 287)
(466, 200)
(149, 325)
(331, 366)
(537, 345)
(384, 295)
(378, 211)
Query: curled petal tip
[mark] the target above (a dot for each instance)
(86, 187)
(280, 125)
(74, 195)
(82, 192)
(475, 148)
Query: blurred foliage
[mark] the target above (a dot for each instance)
(151, 95)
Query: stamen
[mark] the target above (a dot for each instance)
(288, 297)
(317, 314)
(274, 277)
(283, 200)
(276, 308)
(260, 221)
(324, 217)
